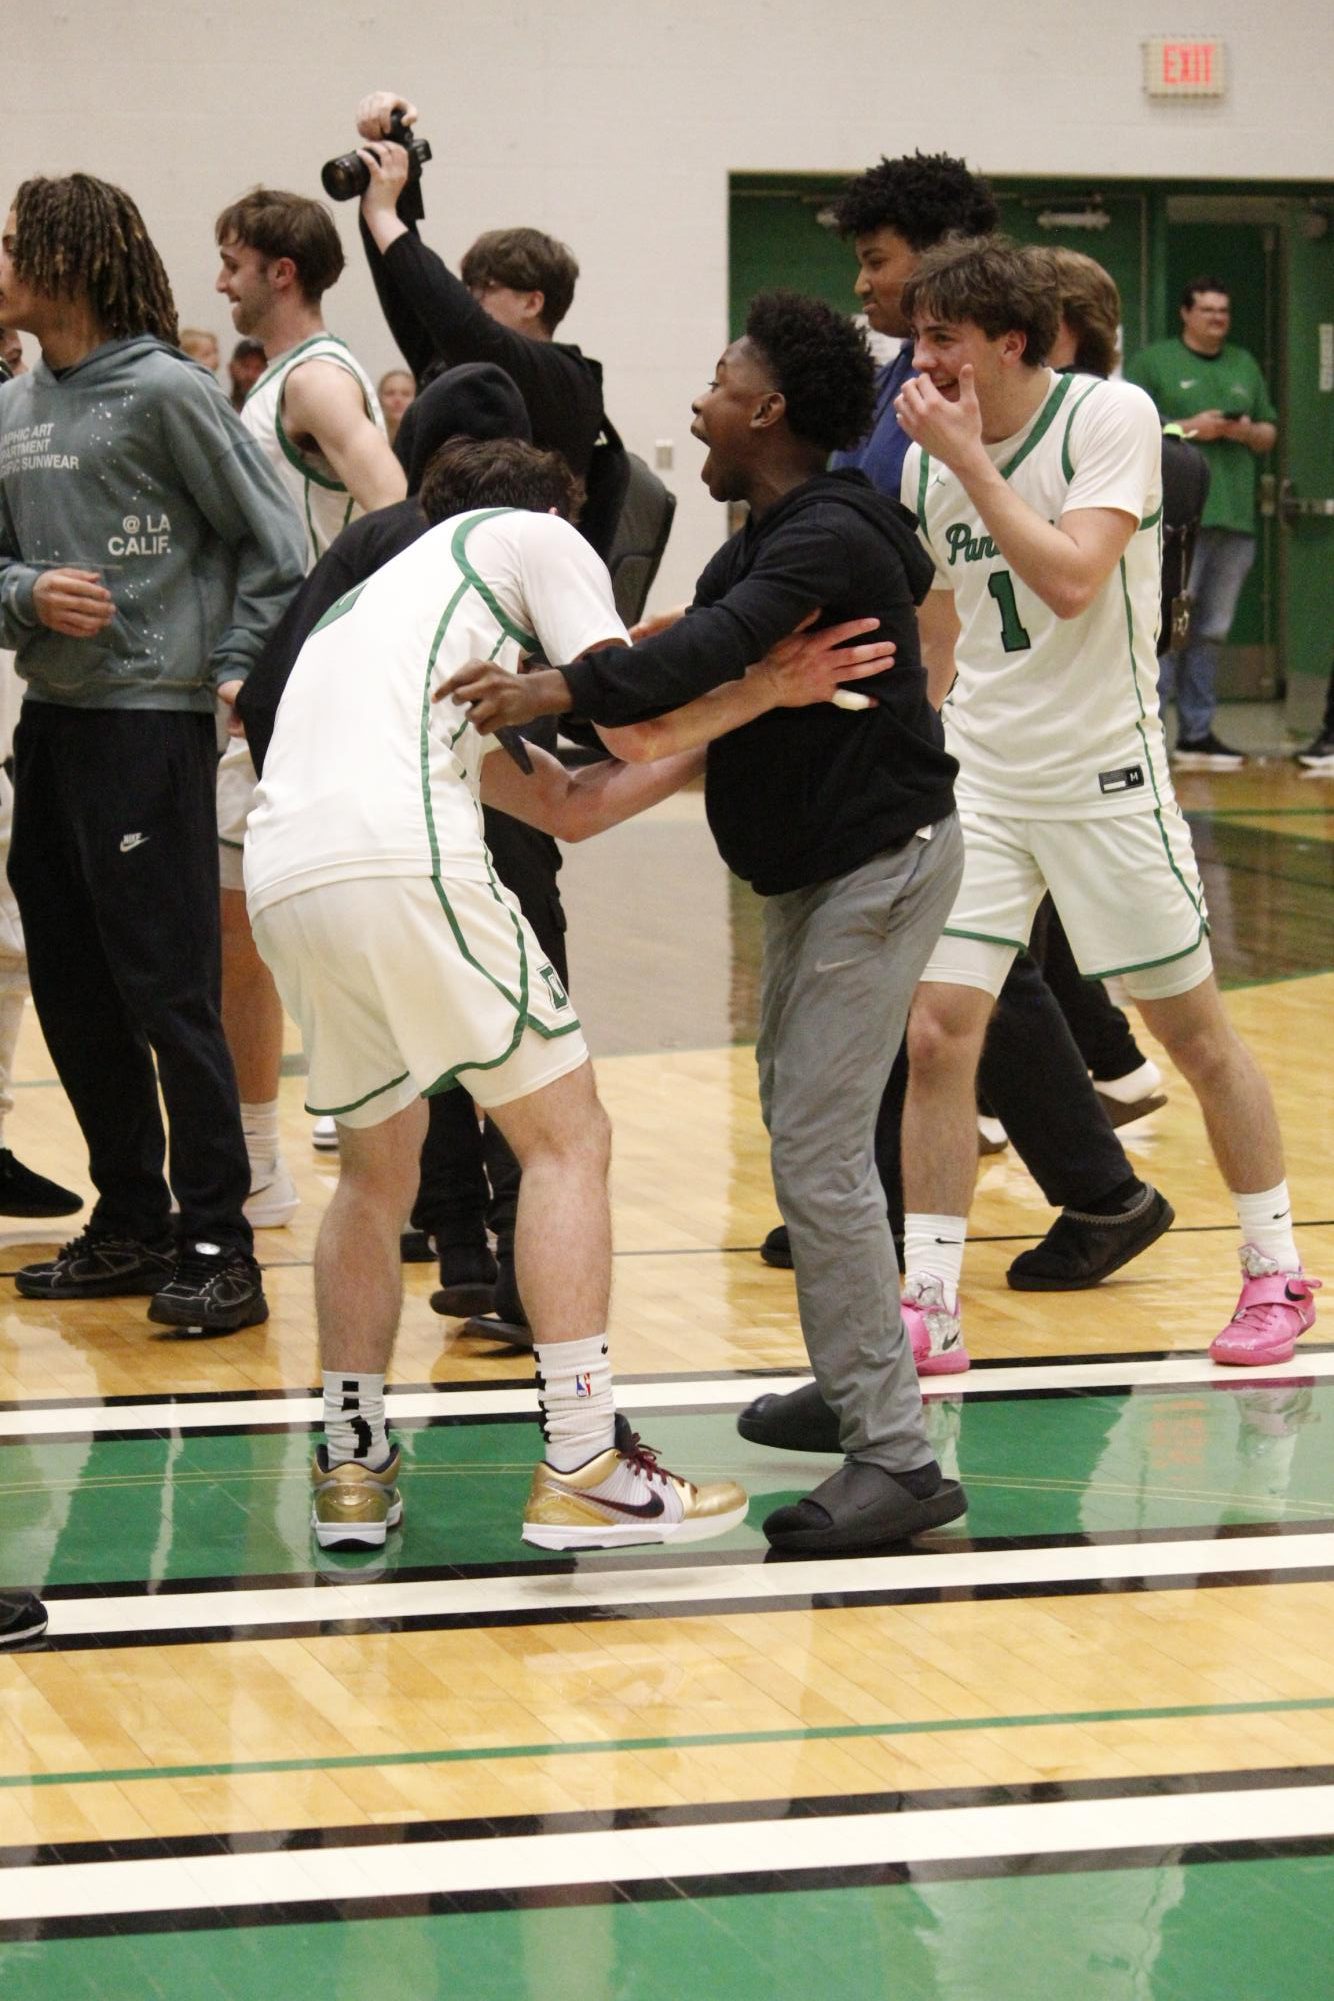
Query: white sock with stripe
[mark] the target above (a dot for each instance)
(354, 1419)
(574, 1392)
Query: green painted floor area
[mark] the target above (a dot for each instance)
(1210, 1931)
(148, 1509)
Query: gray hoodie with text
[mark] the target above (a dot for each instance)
(133, 463)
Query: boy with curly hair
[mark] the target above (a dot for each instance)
(843, 819)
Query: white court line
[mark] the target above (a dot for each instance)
(732, 1849)
(707, 1393)
(592, 1592)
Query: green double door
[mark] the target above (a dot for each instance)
(1275, 251)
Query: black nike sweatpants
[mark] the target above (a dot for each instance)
(114, 862)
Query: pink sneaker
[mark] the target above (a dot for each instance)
(935, 1332)
(1275, 1307)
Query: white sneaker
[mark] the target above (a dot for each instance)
(273, 1199)
(1133, 1096)
(624, 1497)
(324, 1135)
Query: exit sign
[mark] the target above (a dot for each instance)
(1179, 68)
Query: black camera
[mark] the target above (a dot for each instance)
(348, 177)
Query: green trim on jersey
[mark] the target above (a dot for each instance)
(1067, 463)
(288, 356)
(340, 607)
(425, 743)
(922, 478)
(1147, 965)
(1041, 428)
(332, 1111)
(458, 550)
(984, 938)
(1151, 520)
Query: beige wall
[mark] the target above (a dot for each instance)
(615, 124)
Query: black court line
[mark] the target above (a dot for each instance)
(627, 1819)
(1224, 1385)
(703, 1608)
(612, 1564)
(753, 1250)
(520, 1385)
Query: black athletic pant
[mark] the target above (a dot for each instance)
(469, 1175)
(1034, 1080)
(114, 862)
(1103, 1035)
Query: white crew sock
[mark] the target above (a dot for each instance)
(259, 1123)
(1266, 1222)
(574, 1393)
(933, 1246)
(354, 1420)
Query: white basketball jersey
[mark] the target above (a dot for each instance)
(366, 774)
(1055, 718)
(317, 493)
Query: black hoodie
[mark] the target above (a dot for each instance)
(799, 796)
(476, 400)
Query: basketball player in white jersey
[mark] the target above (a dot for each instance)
(1039, 497)
(315, 413)
(410, 967)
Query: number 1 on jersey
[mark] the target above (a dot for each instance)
(1014, 637)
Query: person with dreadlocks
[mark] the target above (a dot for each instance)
(146, 548)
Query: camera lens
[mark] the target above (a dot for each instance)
(345, 178)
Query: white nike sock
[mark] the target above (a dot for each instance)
(1266, 1222)
(354, 1419)
(259, 1123)
(933, 1246)
(574, 1394)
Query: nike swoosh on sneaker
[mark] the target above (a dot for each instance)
(1298, 1298)
(645, 1511)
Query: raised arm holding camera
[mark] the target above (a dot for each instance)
(515, 286)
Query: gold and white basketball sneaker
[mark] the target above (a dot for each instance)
(353, 1505)
(623, 1496)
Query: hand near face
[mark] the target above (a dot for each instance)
(951, 432)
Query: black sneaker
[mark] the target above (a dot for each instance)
(22, 1617)
(1318, 756)
(776, 1250)
(97, 1266)
(467, 1281)
(1206, 753)
(1081, 1250)
(211, 1291)
(23, 1193)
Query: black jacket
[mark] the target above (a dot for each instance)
(799, 795)
(434, 317)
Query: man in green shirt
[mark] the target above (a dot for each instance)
(1217, 395)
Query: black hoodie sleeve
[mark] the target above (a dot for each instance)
(802, 567)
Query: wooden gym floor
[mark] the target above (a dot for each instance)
(1083, 1744)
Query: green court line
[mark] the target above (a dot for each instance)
(472, 1754)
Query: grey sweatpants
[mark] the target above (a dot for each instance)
(841, 962)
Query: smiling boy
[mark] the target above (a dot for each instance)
(1039, 498)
